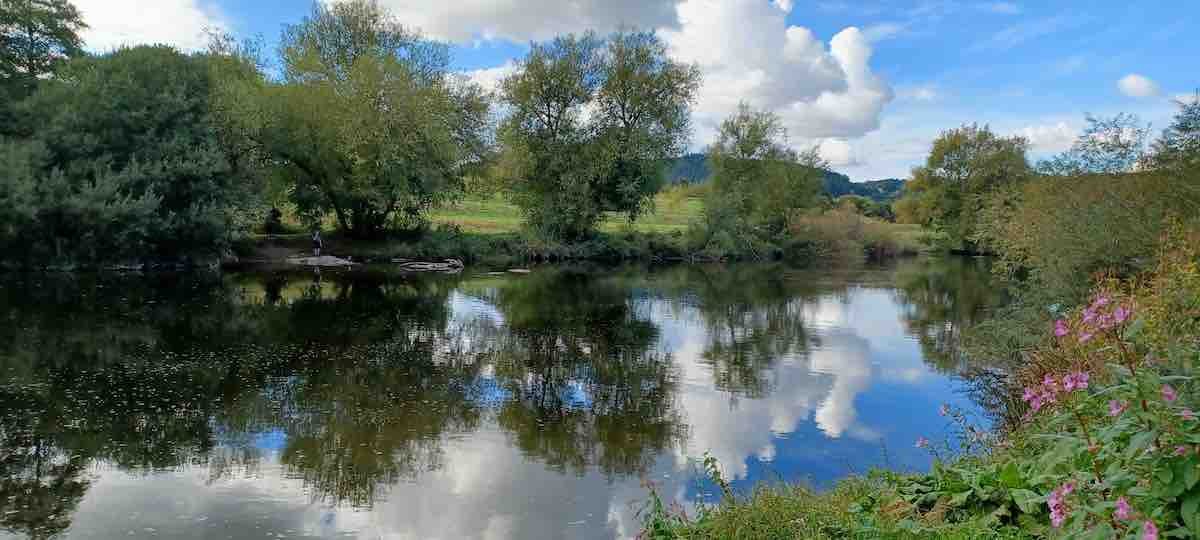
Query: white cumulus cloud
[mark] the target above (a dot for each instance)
(115, 23)
(524, 20)
(490, 78)
(838, 152)
(819, 91)
(1139, 86)
(1049, 138)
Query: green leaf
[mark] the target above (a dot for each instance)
(1027, 500)
(1177, 484)
(1010, 476)
(1191, 472)
(1134, 329)
(1102, 532)
(1163, 480)
(1140, 442)
(1190, 511)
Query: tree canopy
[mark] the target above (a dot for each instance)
(1111, 145)
(964, 166)
(591, 124)
(758, 181)
(368, 122)
(124, 163)
(36, 37)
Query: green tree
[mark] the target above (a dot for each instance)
(1179, 146)
(36, 37)
(758, 183)
(963, 168)
(368, 122)
(124, 164)
(592, 124)
(1107, 146)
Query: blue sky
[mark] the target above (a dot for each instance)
(872, 83)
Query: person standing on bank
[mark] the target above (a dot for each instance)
(316, 242)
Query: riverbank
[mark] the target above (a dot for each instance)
(511, 248)
(488, 231)
(1104, 441)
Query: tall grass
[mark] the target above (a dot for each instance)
(843, 234)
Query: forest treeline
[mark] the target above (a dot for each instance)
(149, 154)
(357, 122)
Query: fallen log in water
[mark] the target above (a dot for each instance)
(448, 265)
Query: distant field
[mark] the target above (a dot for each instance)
(672, 212)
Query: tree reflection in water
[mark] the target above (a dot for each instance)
(943, 297)
(353, 382)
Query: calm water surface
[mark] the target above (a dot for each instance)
(377, 405)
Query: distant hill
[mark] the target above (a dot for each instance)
(693, 169)
(838, 184)
(689, 169)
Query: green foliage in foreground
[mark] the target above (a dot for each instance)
(1108, 446)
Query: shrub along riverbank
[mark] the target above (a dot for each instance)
(1091, 374)
(488, 230)
(1108, 445)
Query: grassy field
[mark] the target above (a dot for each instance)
(673, 211)
(491, 228)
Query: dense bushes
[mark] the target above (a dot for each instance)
(123, 163)
(843, 234)
(1061, 228)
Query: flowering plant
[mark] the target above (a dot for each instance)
(1117, 441)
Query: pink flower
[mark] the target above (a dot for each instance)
(1168, 393)
(1149, 531)
(944, 410)
(1049, 383)
(1075, 381)
(1115, 408)
(1121, 314)
(1085, 337)
(1058, 504)
(1124, 511)
(1035, 398)
(1100, 301)
(922, 442)
(1060, 328)
(1187, 414)
(1181, 450)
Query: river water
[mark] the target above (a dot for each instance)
(369, 404)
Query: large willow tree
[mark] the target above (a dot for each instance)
(368, 123)
(591, 124)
